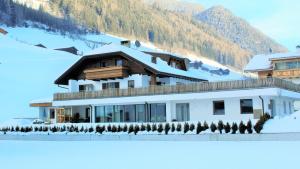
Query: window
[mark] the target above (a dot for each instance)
(140, 113)
(119, 114)
(109, 111)
(130, 83)
(284, 107)
(103, 64)
(182, 112)
(129, 115)
(246, 106)
(119, 62)
(287, 65)
(111, 85)
(158, 112)
(219, 107)
(99, 115)
(85, 88)
(52, 113)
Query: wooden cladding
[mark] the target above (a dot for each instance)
(176, 89)
(287, 73)
(41, 105)
(106, 73)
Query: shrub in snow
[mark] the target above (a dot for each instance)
(63, 128)
(249, 127)
(91, 129)
(160, 128)
(12, 129)
(113, 129)
(136, 129)
(86, 129)
(205, 126)
(234, 128)
(173, 127)
(36, 129)
(76, 129)
(108, 128)
(71, 129)
(260, 123)
(199, 128)
(119, 129)
(81, 129)
(167, 128)
(148, 127)
(53, 129)
(220, 126)
(17, 129)
(178, 127)
(125, 128)
(242, 127)
(227, 128)
(186, 127)
(100, 129)
(22, 130)
(154, 127)
(131, 128)
(192, 127)
(213, 127)
(143, 127)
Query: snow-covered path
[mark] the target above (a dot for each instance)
(148, 155)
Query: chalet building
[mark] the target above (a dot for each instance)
(116, 83)
(279, 65)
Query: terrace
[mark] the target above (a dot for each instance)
(187, 88)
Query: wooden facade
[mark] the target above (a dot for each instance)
(46, 104)
(106, 73)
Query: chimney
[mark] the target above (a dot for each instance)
(298, 48)
(126, 43)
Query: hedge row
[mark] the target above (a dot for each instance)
(160, 128)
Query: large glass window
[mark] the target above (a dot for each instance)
(119, 114)
(109, 111)
(119, 62)
(100, 115)
(140, 113)
(219, 107)
(129, 113)
(182, 112)
(246, 106)
(52, 113)
(158, 112)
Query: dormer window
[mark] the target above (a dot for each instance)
(173, 64)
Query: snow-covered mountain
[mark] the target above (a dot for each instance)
(27, 72)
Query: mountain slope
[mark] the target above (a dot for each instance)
(238, 30)
(164, 24)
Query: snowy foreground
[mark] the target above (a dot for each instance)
(148, 155)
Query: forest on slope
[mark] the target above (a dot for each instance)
(171, 27)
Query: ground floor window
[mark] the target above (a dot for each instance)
(219, 107)
(52, 113)
(246, 106)
(182, 112)
(131, 113)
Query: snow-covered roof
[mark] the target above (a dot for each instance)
(160, 65)
(44, 100)
(263, 62)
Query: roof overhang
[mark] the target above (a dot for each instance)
(45, 104)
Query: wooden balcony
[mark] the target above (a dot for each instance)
(106, 72)
(189, 88)
(292, 73)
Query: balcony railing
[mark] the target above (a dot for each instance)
(188, 88)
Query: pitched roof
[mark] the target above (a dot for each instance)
(263, 62)
(160, 67)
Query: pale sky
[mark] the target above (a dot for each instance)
(279, 19)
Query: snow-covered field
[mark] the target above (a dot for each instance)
(149, 155)
(285, 124)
